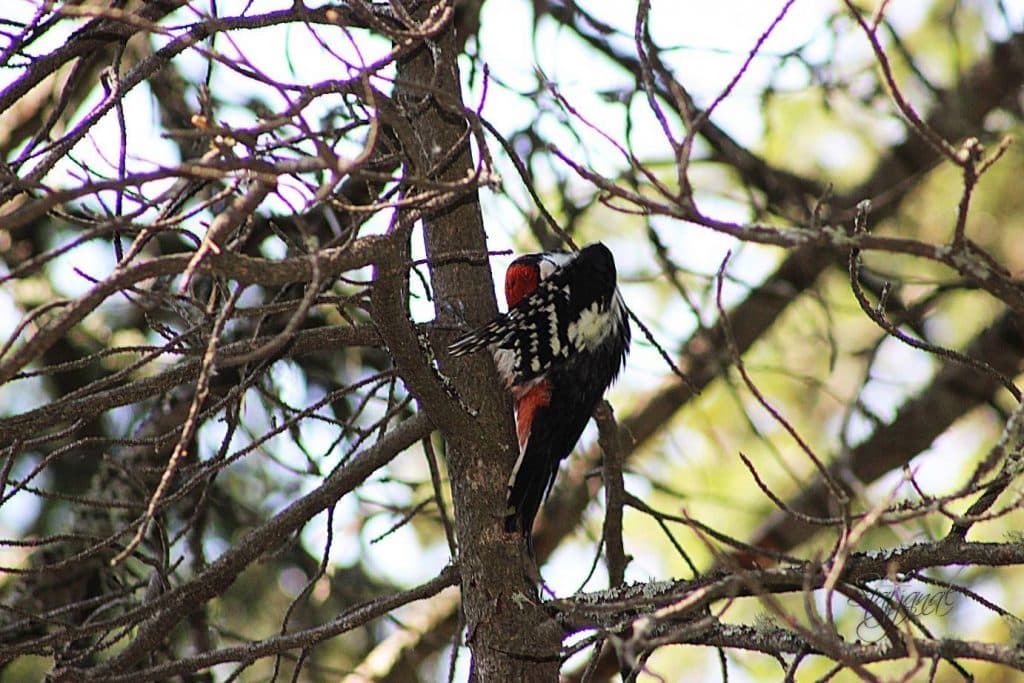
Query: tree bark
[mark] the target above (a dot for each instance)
(510, 636)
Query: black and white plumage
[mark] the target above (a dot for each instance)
(562, 342)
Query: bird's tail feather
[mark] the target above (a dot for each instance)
(526, 494)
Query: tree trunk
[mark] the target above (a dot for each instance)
(509, 634)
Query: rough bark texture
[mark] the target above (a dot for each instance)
(510, 636)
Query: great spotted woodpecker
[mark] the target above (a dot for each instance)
(561, 344)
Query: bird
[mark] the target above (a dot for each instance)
(561, 344)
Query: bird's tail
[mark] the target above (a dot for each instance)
(533, 479)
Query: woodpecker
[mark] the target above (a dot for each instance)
(562, 342)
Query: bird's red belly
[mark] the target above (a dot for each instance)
(527, 404)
